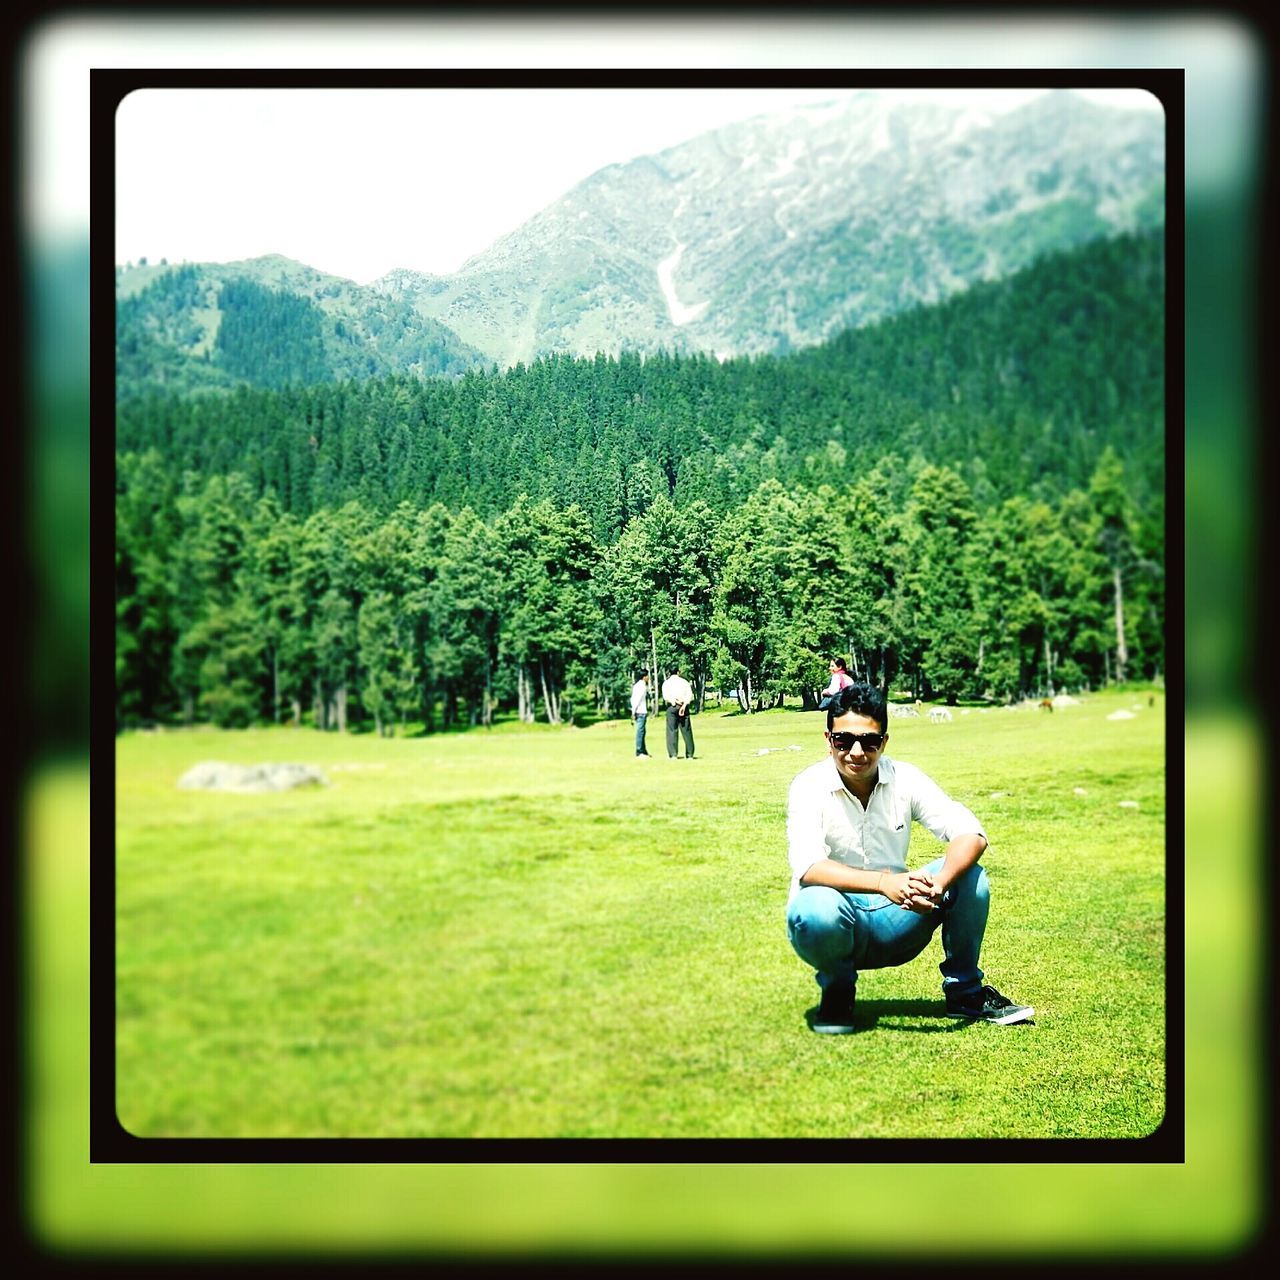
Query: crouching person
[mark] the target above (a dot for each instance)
(854, 904)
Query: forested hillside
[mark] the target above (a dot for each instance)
(966, 500)
(190, 328)
(1017, 384)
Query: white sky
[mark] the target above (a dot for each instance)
(357, 199)
(356, 182)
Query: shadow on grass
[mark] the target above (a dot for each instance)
(867, 1015)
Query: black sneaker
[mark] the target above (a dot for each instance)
(988, 1005)
(835, 1014)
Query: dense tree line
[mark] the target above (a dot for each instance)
(232, 609)
(965, 501)
(1018, 385)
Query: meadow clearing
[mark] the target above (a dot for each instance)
(526, 932)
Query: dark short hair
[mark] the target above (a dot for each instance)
(863, 700)
(841, 663)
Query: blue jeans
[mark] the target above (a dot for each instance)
(640, 747)
(839, 933)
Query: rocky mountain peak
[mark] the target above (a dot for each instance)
(777, 231)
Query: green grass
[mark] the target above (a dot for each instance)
(529, 933)
(1208, 1206)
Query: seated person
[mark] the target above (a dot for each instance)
(840, 679)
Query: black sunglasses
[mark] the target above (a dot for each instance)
(867, 741)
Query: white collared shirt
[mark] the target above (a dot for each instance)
(825, 821)
(639, 698)
(676, 689)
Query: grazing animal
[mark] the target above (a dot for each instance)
(938, 714)
(1045, 704)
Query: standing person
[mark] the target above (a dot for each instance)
(853, 904)
(678, 695)
(840, 679)
(640, 712)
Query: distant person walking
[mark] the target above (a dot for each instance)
(678, 696)
(640, 712)
(840, 679)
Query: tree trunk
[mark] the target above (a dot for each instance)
(524, 692)
(550, 699)
(744, 693)
(653, 666)
(377, 722)
(982, 640)
(340, 703)
(297, 712)
(275, 683)
(1122, 649)
(318, 705)
(188, 707)
(428, 707)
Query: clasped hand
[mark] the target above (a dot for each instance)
(912, 890)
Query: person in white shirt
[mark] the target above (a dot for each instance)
(854, 904)
(640, 712)
(678, 696)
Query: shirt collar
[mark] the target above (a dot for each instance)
(834, 782)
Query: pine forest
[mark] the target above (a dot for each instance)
(965, 500)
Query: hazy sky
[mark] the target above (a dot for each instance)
(231, 185)
(356, 182)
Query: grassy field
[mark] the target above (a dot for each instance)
(527, 932)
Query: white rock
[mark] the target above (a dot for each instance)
(1128, 804)
(1121, 715)
(1080, 791)
(214, 775)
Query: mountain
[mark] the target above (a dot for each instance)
(779, 231)
(1019, 384)
(767, 236)
(268, 322)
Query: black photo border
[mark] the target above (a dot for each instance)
(110, 1142)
